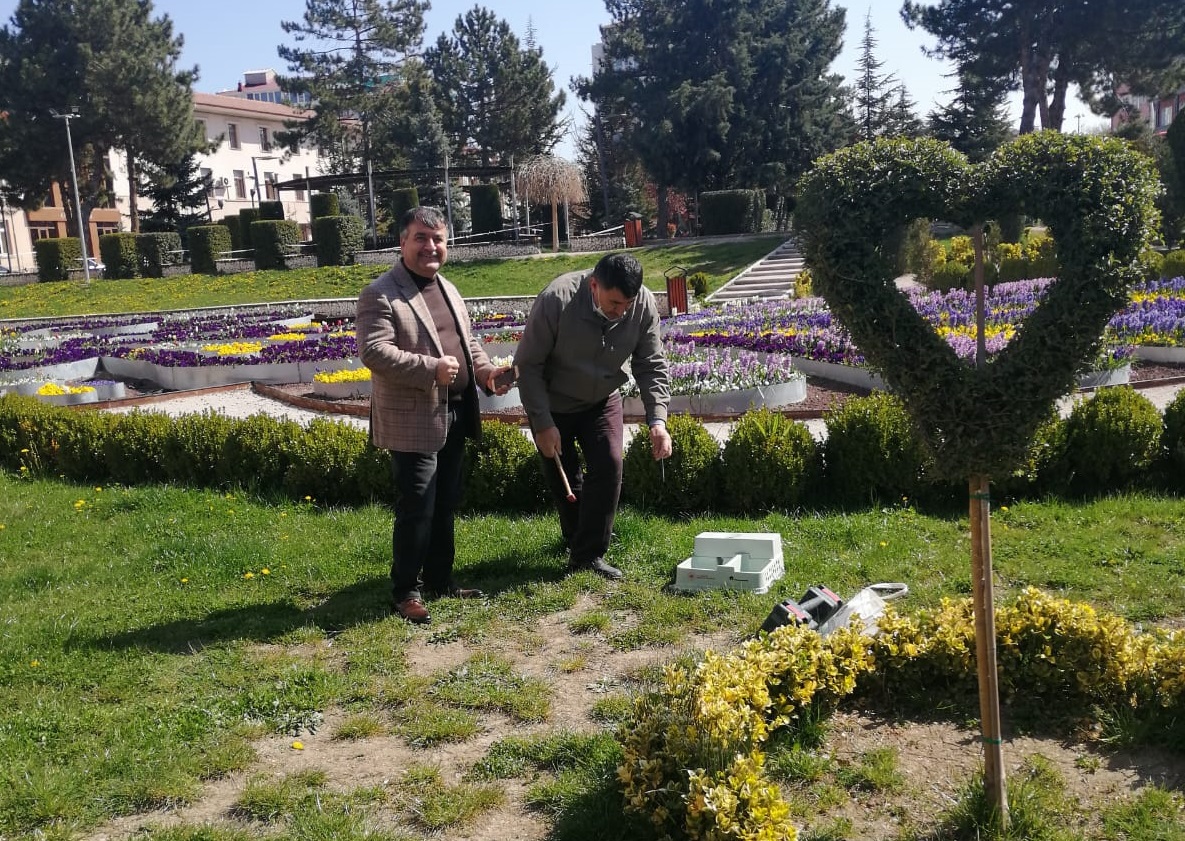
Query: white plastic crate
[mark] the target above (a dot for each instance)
(732, 561)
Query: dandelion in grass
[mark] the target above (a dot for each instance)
(33, 664)
(98, 490)
(184, 580)
(265, 571)
(884, 544)
(298, 745)
(79, 505)
(248, 576)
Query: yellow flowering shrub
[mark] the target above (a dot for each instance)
(692, 754)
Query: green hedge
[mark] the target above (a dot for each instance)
(206, 244)
(324, 204)
(120, 256)
(485, 208)
(731, 212)
(275, 242)
(247, 217)
(338, 239)
(402, 200)
(56, 256)
(1113, 442)
(158, 250)
(235, 225)
(271, 210)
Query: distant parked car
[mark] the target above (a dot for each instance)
(94, 265)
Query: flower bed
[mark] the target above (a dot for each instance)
(285, 345)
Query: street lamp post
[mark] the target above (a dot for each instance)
(86, 265)
(255, 171)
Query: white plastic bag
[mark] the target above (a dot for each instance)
(868, 604)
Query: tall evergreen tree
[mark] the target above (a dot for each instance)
(975, 121)
(874, 92)
(347, 57)
(496, 98)
(115, 63)
(180, 196)
(1041, 47)
(722, 100)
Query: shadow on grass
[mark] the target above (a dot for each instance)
(598, 813)
(360, 603)
(365, 601)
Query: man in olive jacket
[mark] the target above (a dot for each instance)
(582, 330)
(413, 333)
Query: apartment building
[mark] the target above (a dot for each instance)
(1157, 111)
(244, 168)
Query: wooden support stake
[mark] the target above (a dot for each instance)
(985, 646)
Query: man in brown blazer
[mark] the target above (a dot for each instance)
(413, 333)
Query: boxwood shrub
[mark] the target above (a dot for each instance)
(56, 256)
(682, 485)
(206, 244)
(119, 255)
(1112, 443)
(769, 463)
(323, 204)
(275, 242)
(338, 239)
(872, 454)
(157, 250)
(502, 471)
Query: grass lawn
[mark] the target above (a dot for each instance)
(719, 259)
(154, 638)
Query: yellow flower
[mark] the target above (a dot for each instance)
(1003, 509)
(248, 575)
(298, 745)
(184, 580)
(884, 544)
(2, 526)
(98, 490)
(33, 664)
(265, 571)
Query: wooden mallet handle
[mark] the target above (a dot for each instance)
(559, 465)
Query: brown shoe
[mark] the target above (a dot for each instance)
(413, 610)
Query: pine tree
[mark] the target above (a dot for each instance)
(180, 195)
(116, 64)
(975, 121)
(875, 92)
(351, 73)
(722, 100)
(497, 99)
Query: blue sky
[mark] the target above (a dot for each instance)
(226, 37)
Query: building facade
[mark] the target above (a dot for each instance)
(1157, 111)
(244, 169)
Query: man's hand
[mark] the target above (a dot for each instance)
(660, 441)
(506, 375)
(446, 370)
(547, 441)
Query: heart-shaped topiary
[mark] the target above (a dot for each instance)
(1096, 197)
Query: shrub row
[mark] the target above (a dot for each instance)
(1115, 441)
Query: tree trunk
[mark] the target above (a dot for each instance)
(133, 192)
(663, 199)
(1057, 103)
(555, 225)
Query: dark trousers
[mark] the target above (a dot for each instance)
(587, 523)
(427, 490)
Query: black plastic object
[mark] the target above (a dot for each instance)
(820, 603)
(788, 612)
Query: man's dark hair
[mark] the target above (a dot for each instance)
(429, 217)
(622, 272)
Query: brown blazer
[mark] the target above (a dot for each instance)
(398, 342)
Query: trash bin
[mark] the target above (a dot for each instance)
(676, 289)
(632, 225)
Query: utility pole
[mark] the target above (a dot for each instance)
(82, 232)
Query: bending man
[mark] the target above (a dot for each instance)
(582, 330)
